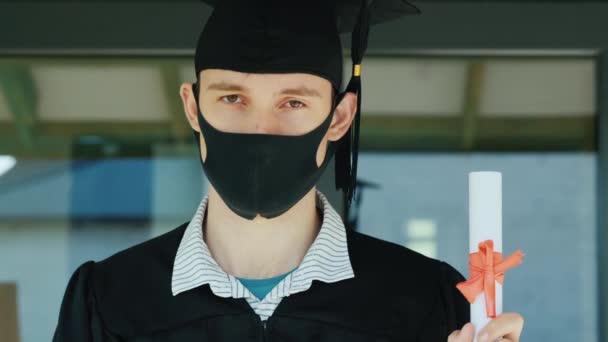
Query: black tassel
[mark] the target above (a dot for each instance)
(347, 155)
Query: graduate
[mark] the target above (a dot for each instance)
(265, 256)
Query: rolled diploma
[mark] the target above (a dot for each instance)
(485, 222)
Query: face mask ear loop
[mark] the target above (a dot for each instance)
(337, 98)
(335, 101)
(195, 91)
(196, 134)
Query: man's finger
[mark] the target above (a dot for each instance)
(508, 325)
(463, 335)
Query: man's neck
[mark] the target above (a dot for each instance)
(260, 248)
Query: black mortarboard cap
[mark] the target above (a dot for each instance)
(284, 36)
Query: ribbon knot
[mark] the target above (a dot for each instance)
(486, 267)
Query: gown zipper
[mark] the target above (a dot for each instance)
(264, 331)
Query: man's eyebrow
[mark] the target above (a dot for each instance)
(225, 86)
(300, 91)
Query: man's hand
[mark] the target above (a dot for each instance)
(507, 325)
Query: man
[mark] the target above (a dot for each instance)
(266, 257)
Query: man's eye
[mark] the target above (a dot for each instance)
(231, 99)
(295, 104)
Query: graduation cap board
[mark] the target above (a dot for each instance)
(280, 36)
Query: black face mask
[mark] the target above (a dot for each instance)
(262, 174)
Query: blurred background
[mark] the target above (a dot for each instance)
(96, 154)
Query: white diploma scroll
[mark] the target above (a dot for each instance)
(485, 223)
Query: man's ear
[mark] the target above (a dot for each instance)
(191, 110)
(187, 95)
(343, 117)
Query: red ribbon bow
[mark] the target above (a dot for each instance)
(485, 267)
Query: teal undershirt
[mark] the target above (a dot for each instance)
(261, 287)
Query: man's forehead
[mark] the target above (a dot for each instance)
(242, 76)
(221, 79)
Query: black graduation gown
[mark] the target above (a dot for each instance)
(396, 295)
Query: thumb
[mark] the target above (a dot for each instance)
(463, 335)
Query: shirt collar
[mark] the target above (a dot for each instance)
(326, 260)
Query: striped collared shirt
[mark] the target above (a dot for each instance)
(326, 260)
